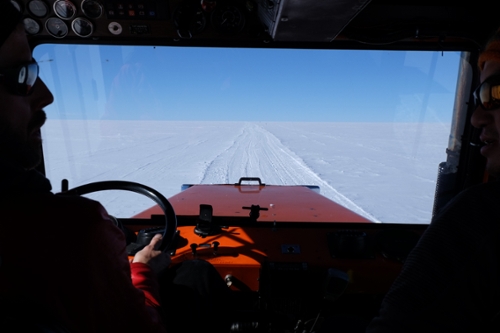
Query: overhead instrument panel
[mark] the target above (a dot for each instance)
(158, 22)
(95, 19)
(251, 23)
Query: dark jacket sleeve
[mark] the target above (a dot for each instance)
(130, 302)
(68, 261)
(446, 281)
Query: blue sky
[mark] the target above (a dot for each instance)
(92, 82)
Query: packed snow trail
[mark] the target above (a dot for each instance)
(371, 168)
(258, 153)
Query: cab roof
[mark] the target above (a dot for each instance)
(353, 24)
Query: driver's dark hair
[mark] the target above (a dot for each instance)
(491, 50)
(9, 18)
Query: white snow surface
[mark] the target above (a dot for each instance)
(385, 172)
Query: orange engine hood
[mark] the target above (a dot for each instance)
(279, 203)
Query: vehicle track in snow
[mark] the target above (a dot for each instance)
(368, 168)
(256, 152)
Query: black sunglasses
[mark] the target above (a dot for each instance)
(487, 95)
(20, 80)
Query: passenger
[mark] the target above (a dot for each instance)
(62, 260)
(451, 280)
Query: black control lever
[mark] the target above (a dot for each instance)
(205, 227)
(255, 212)
(193, 247)
(216, 247)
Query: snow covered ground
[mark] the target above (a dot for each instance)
(383, 171)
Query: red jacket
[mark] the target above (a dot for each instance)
(64, 255)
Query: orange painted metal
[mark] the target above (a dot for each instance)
(283, 203)
(243, 251)
(237, 254)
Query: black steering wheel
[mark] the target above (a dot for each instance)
(166, 207)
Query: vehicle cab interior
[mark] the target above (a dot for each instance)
(300, 147)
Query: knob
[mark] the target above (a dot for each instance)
(229, 280)
(193, 246)
(216, 246)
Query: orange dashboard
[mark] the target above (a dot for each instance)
(263, 236)
(243, 254)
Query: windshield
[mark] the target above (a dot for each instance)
(368, 127)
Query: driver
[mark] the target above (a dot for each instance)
(62, 260)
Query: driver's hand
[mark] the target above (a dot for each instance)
(151, 256)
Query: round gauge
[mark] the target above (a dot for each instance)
(31, 26)
(115, 28)
(15, 4)
(64, 9)
(82, 27)
(56, 27)
(38, 8)
(92, 9)
(189, 20)
(228, 19)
